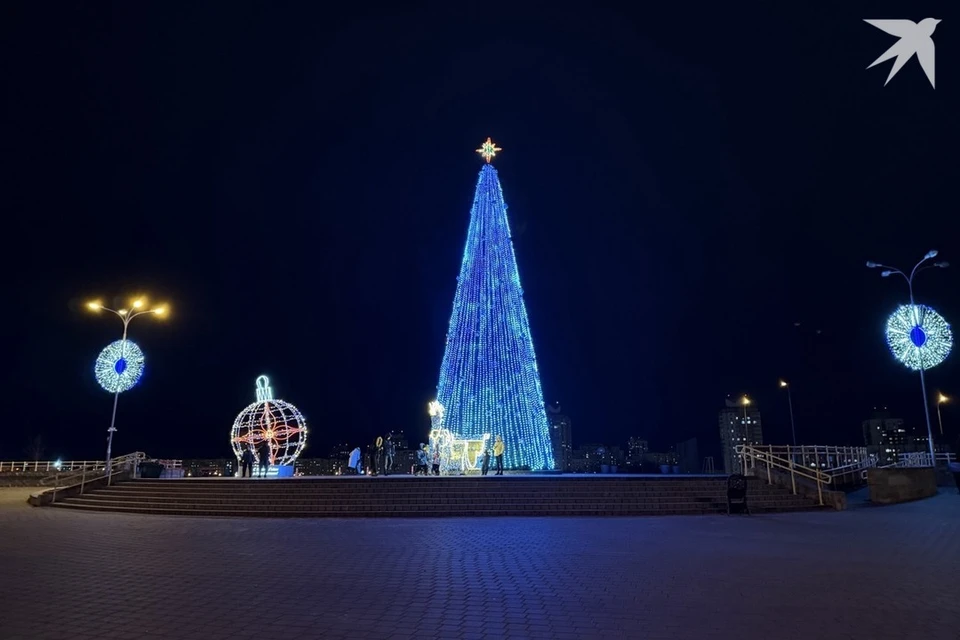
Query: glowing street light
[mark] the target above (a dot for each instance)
(940, 400)
(793, 428)
(917, 268)
(744, 402)
(138, 308)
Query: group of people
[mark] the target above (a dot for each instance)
(378, 459)
(430, 465)
(381, 453)
(247, 460)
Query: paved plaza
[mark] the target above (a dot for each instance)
(866, 574)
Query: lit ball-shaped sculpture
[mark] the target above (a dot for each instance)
(119, 366)
(918, 336)
(278, 423)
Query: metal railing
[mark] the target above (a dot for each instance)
(819, 464)
(118, 465)
(922, 459)
(49, 465)
(9, 466)
(170, 464)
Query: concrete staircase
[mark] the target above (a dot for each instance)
(406, 496)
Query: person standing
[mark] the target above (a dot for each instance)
(422, 460)
(264, 459)
(354, 462)
(485, 467)
(498, 454)
(381, 456)
(246, 462)
(374, 457)
(390, 449)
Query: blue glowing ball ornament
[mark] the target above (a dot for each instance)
(918, 336)
(119, 366)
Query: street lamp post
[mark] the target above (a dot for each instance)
(137, 308)
(940, 400)
(743, 459)
(793, 428)
(917, 268)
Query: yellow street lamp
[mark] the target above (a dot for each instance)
(793, 428)
(126, 317)
(940, 400)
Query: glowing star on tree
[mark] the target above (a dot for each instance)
(489, 383)
(278, 423)
(488, 150)
(918, 336)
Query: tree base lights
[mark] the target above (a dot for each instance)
(456, 456)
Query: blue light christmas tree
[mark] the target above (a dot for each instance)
(489, 382)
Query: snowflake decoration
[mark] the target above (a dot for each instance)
(918, 336)
(119, 366)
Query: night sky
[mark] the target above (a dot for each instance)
(684, 185)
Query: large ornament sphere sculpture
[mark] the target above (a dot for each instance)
(278, 423)
(119, 366)
(918, 336)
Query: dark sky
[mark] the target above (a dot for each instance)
(684, 183)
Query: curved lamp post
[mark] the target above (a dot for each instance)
(940, 400)
(923, 265)
(793, 429)
(138, 307)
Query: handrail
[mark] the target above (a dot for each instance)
(764, 454)
(117, 465)
(58, 477)
(824, 457)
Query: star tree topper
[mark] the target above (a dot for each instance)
(488, 150)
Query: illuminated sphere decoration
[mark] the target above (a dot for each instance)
(918, 336)
(276, 422)
(119, 366)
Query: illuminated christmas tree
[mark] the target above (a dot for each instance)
(489, 382)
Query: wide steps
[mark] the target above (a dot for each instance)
(406, 496)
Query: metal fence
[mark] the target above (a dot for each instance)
(52, 466)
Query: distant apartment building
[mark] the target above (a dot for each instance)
(320, 466)
(739, 424)
(587, 458)
(637, 450)
(886, 437)
(561, 435)
(224, 467)
(341, 450)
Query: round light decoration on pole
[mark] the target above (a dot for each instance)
(278, 423)
(918, 336)
(119, 366)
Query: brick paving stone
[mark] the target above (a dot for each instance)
(873, 573)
